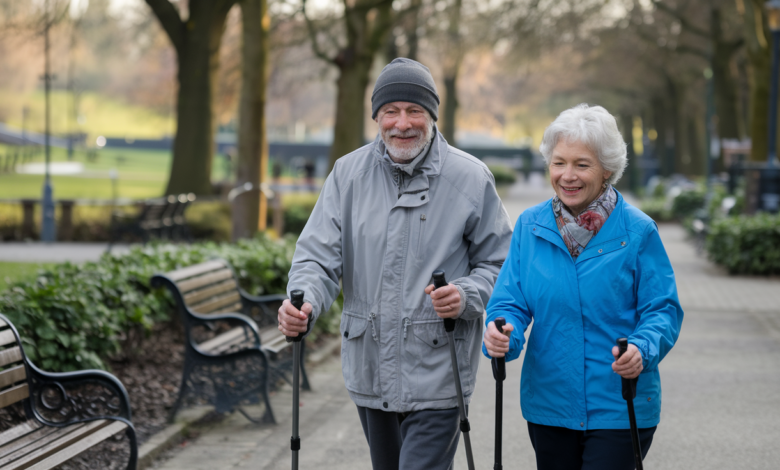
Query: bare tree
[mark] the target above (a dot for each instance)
(196, 40)
(362, 27)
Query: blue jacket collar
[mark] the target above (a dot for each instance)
(614, 227)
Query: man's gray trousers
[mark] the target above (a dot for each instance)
(418, 440)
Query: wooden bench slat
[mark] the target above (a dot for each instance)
(10, 435)
(10, 356)
(52, 443)
(198, 282)
(7, 337)
(26, 443)
(273, 340)
(3, 323)
(217, 303)
(190, 271)
(216, 344)
(197, 296)
(14, 394)
(228, 309)
(80, 446)
(11, 376)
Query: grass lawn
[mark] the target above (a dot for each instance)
(10, 272)
(101, 115)
(141, 174)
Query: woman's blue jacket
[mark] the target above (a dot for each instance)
(621, 285)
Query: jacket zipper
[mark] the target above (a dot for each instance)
(407, 322)
(421, 233)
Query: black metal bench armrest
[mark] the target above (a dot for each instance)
(59, 399)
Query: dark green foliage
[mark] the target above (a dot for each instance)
(295, 218)
(687, 203)
(72, 317)
(746, 244)
(502, 174)
(656, 209)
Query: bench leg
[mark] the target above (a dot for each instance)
(268, 416)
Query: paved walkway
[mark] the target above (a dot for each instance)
(721, 389)
(39, 252)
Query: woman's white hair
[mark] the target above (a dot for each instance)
(594, 127)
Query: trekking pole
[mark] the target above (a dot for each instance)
(499, 373)
(629, 393)
(296, 298)
(449, 327)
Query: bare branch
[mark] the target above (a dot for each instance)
(170, 20)
(313, 36)
(687, 25)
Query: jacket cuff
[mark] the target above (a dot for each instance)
(641, 345)
(462, 294)
(470, 301)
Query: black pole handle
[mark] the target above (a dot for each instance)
(440, 281)
(296, 299)
(499, 363)
(629, 385)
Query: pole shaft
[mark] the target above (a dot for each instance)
(499, 423)
(296, 407)
(461, 404)
(634, 435)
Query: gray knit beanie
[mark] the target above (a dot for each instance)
(405, 80)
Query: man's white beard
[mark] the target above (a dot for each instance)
(409, 151)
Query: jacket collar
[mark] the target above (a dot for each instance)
(430, 165)
(614, 228)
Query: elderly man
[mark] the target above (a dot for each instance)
(390, 214)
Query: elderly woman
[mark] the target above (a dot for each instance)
(587, 268)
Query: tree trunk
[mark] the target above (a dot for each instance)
(366, 29)
(348, 131)
(758, 47)
(453, 58)
(412, 38)
(450, 108)
(629, 176)
(661, 127)
(250, 208)
(197, 47)
(726, 103)
(697, 151)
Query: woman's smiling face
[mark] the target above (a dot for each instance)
(576, 175)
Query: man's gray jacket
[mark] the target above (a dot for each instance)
(383, 232)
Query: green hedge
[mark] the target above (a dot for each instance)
(746, 244)
(687, 203)
(74, 316)
(502, 174)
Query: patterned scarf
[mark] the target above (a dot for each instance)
(578, 231)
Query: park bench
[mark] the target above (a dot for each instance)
(157, 218)
(48, 418)
(234, 353)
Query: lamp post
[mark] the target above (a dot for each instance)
(48, 230)
(773, 18)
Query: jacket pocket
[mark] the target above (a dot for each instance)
(430, 376)
(360, 353)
